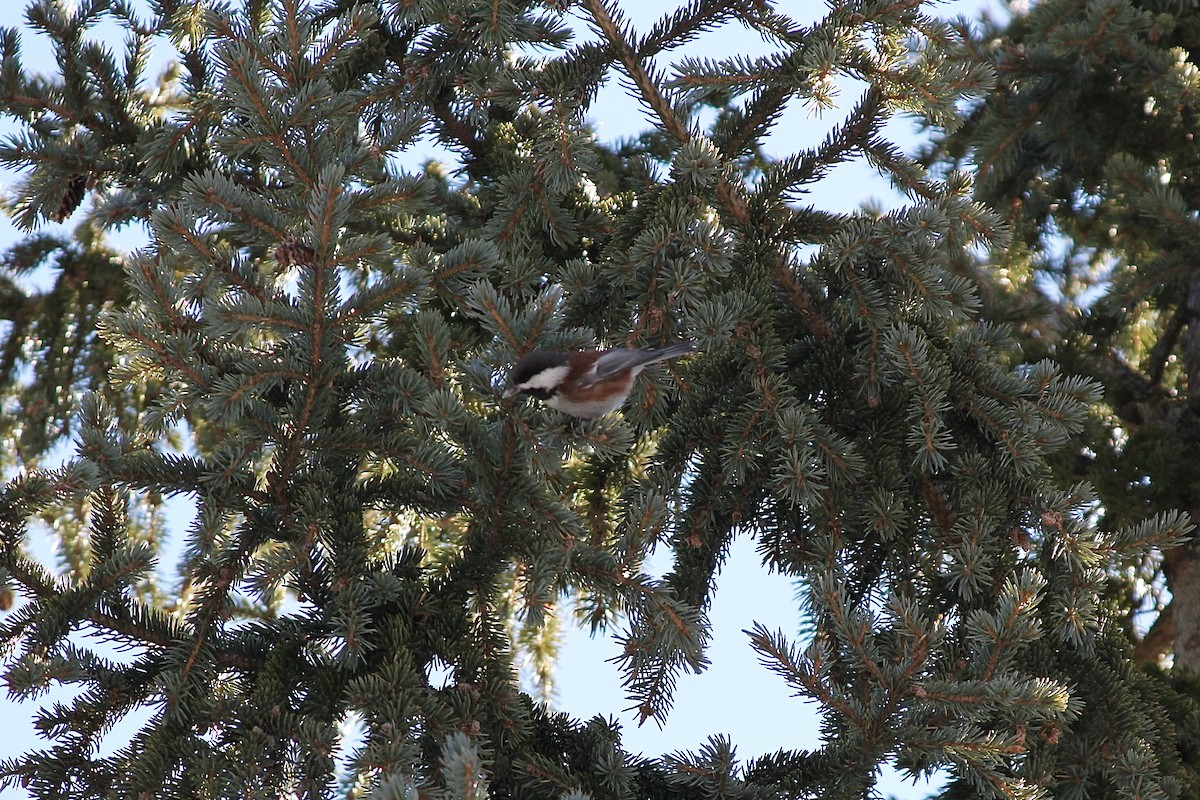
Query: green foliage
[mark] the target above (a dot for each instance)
(311, 349)
(1087, 145)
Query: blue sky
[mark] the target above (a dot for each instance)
(736, 696)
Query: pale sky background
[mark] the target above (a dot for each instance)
(736, 696)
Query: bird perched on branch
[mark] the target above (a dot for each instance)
(585, 383)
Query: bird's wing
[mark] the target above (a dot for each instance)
(612, 362)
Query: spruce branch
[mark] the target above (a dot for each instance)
(455, 130)
(611, 28)
(129, 622)
(688, 22)
(647, 85)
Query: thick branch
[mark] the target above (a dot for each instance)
(1159, 640)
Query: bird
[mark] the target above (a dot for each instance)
(585, 383)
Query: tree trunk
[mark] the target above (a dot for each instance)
(1182, 564)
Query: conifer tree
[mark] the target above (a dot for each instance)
(1088, 143)
(313, 346)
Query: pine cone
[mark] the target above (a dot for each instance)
(293, 252)
(76, 188)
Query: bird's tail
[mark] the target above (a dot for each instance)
(672, 350)
(612, 362)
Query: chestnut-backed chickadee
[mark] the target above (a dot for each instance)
(586, 383)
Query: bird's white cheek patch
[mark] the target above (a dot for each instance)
(547, 379)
